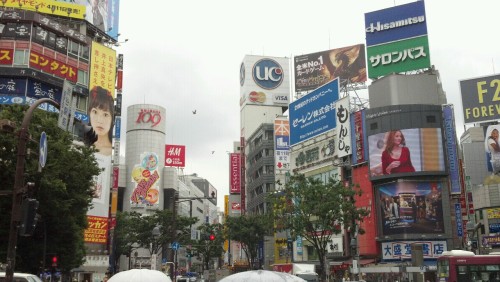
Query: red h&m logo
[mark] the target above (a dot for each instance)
(175, 155)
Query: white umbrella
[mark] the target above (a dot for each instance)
(140, 275)
(262, 275)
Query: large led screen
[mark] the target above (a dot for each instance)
(409, 207)
(406, 152)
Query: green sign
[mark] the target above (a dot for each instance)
(398, 56)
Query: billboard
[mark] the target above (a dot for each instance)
(400, 56)
(314, 113)
(145, 177)
(480, 99)
(408, 207)
(265, 81)
(175, 155)
(102, 68)
(97, 232)
(316, 69)
(359, 141)
(282, 144)
(492, 148)
(395, 23)
(234, 173)
(103, 14)
(51, 7)
(50, 65)
(406, 152)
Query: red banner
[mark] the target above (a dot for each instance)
(53, 66)
(175, 155)
(234, 173)
(6, 56)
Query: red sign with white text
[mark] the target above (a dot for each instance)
(234, 173)
(175, 155)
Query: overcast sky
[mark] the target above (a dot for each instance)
(186, 55)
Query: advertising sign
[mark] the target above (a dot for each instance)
(264, 81)
(97, 232)
(492, 147)
(359, 136)
(408, 207)
(65, 105)
(175, 155)
(314, 113)
(234, 173)
(451, 149)
(282, 144)
(458, 219)
(406, 152)
(51, 7)
(395, 23)
(6, 56)
(480, 99)
(102, 68)
(314, 70)
(400, 56)
(53, 66)
(13, 86)
(102, 14)
(402, 249)
(493, 213)
(145, 177)
(343, 119)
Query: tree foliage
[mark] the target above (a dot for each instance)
(315, 211)
(63, 189)
(134, 230)
(249, 230)
(206, 248)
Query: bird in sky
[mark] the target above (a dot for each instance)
(213, 152)
(194, 112)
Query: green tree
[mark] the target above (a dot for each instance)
(206, 248)
(63, 189)
(249, 230)
(315, 211)
(135, 230)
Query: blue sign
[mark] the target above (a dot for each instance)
(118, 127)
(43, 150)
(267, 74)
(175, 246)
(314, 114)
(458, 216)
(396, 23)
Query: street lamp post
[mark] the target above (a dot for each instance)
(19, 187)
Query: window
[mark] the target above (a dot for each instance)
(73, 48)
(81, 103)
(21, 57)
(83, 77)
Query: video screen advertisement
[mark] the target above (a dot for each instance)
(405, 140)
(410, 207)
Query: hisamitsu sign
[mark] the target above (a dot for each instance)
(481, 99)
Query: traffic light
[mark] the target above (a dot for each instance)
(29, 219)
(54, 261)
(211, 237)
(89, 135)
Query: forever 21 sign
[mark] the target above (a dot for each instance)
(149, 116)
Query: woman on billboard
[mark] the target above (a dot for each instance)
(493, 147)
(396, 156)
(101, 111)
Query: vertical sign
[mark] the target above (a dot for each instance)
(65, 107)
(281, 144)
(234, 173)
(451, 148)
(458, 219)
(343, 119)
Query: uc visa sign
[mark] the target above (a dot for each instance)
(267, 73)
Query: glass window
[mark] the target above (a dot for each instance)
(84, 53)
(73, 47)
(81, 103)
(21, 58)
(83, 77)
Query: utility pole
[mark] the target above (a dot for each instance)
(17, 192)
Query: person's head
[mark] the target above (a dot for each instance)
(494, 134)
(395, 138)
(101, 112)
